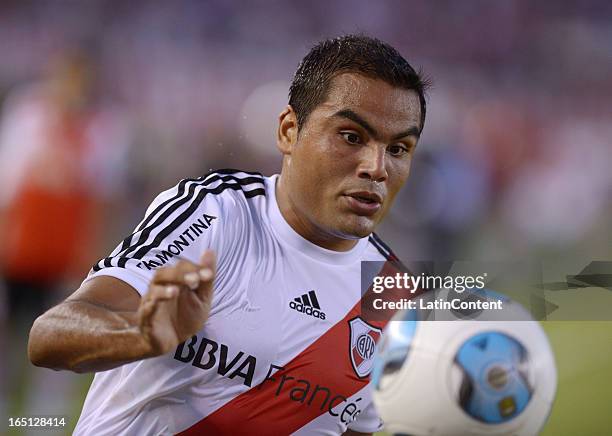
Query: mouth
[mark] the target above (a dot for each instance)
(364, 202)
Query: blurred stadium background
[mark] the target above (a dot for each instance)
(105, 103)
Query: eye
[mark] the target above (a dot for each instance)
(397, 150)
(351, 137)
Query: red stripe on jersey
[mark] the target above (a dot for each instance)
(291, 400)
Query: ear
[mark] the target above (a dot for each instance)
(287, 132)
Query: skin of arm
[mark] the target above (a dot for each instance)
(95, 329)
(105, 323)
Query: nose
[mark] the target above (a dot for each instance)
(372, 165)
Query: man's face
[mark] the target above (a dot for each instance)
(352, 156)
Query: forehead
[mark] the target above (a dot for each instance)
(374, 99)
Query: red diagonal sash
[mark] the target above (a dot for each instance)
(275, 408)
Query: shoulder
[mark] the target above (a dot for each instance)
(233, 198)
(194, 214)
(221, 189)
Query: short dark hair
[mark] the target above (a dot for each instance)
(350, 53)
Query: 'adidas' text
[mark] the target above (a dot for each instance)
(308, 304)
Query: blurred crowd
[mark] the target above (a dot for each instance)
(106, 103)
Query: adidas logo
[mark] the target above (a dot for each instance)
(308, 304)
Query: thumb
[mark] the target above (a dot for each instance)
(207, 271)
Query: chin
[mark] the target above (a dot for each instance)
(359, 227)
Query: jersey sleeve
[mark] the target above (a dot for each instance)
(180, 223)
(368, 421)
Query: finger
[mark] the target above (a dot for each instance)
(208, 267)
(162, 292)
(208, 259)
(156, 294)
(153, 298)
(183, 273)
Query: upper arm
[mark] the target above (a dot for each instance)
(108, 292)
(96, 320)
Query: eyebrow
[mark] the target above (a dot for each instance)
(351, 115)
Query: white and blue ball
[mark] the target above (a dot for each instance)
(464, 377)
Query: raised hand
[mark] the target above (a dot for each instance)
(177, 304)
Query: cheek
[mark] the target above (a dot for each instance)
(398, 174)
(311, 171)
(324, 157)
(398, 171)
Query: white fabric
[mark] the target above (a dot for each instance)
(263, 265)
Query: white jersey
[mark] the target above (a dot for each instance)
(278, 354)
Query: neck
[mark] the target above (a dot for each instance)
(306, 228)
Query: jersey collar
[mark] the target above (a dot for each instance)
(287, 235)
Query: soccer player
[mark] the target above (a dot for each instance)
(233, 308)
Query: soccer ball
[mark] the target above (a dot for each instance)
(463, 377)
